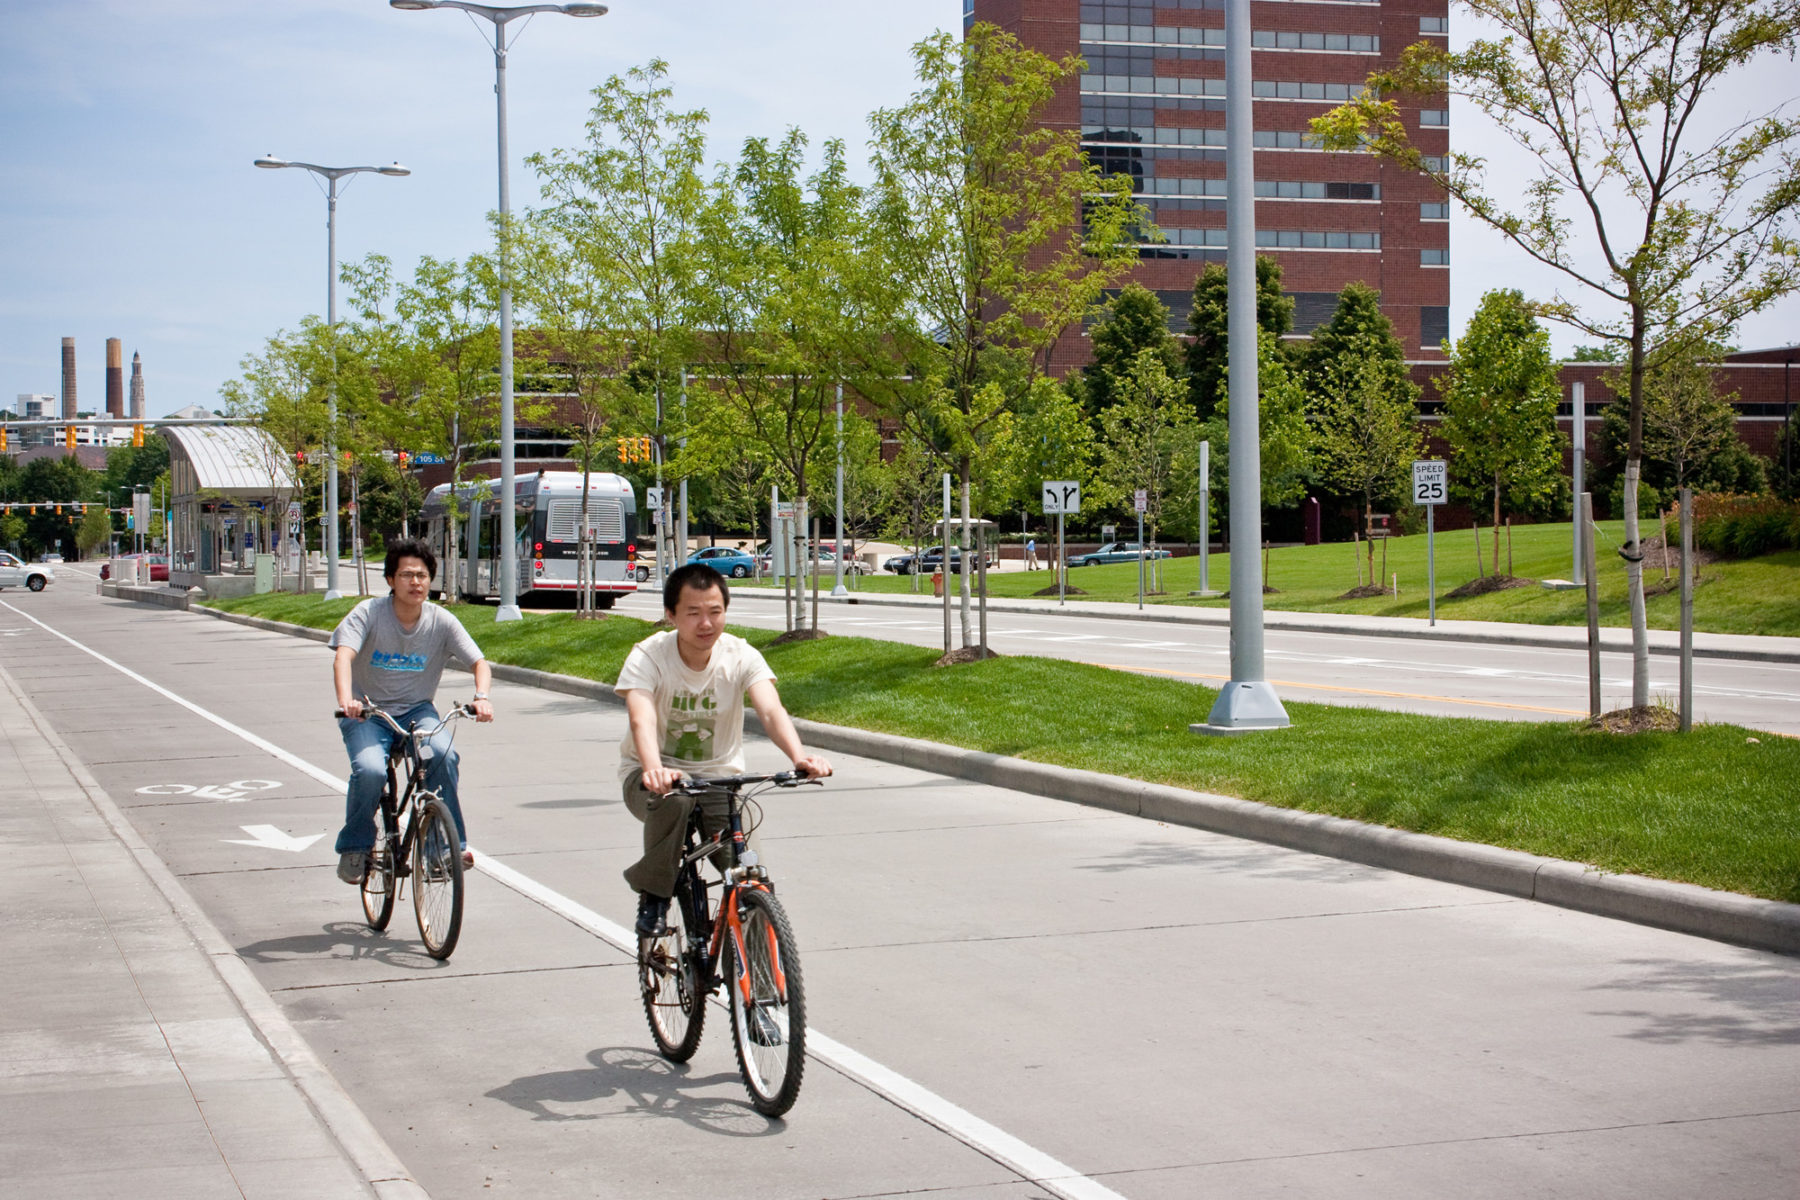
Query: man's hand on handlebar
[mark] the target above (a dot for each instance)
(661, 780)
(813, 766)
(351, 708)
(481, 709)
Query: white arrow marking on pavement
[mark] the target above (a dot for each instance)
(270, 838)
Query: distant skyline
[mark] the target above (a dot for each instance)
(133, 211)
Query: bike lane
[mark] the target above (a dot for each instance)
(1171, 1012)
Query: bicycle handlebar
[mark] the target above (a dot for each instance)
(369, 711)
(734, 783)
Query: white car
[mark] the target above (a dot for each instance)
(13, 573)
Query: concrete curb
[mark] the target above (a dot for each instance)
(362, 1144)
(1612, 641)
(1683, 908)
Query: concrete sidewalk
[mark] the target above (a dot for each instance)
(1749, 647)
(138, 1056)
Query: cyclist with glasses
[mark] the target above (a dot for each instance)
(684, 691)
(392, 650)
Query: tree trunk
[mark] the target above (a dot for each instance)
(1632, 549)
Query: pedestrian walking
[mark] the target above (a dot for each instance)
(1031, 559)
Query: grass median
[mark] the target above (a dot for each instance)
(1756, 596)
(1718, 807)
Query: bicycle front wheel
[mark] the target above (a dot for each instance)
(378, 884)
(670, 971)
(768, 1003)
(437, 877)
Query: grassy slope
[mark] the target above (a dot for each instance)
(1760, 595)
(1712, 808)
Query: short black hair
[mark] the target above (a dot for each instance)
(697, 575)
(410, 547)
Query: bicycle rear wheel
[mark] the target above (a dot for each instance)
(437, 876)
(670, 973)
(768, 1004)
(378, 884)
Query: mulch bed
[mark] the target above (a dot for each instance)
(967, 654)
(1365, 592)
(1488, 583)
(1649, 718)
(1657, 555)
(1267, 591)
(800, 635)
(1069, 591)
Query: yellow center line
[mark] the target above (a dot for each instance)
(1326, 687)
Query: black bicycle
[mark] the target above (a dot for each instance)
(415, 838)
(747, 946)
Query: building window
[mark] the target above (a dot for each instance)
(1434, 325)
(1434, 24)
(1274, 189)
(1134, 33)
(1434, 118)
(1434, 163)
(1434, 258)
(1434, 212)
(1312, 309)
(1279, 139)
(1285, 39)
(1311, 239)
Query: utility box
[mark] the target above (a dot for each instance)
(265, 573)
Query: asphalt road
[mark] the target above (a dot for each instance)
(1439, 678)
(1140, 1011)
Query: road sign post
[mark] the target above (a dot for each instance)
(1431, 482)
(1061, 496)
(1138, 501)
(1205, 512)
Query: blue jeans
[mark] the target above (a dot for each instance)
(368, 743)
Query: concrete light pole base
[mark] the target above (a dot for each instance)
(508, 612)
(1244, 707)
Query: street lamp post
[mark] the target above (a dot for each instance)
(500, 15)
(331, 175)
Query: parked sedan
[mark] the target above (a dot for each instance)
(156, 564)
(1114, 552)
(928, 563)
(36, 576)
(738, 564)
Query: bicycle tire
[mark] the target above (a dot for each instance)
(437, 876)
(769, 1029)
(378, 901)
(670, 971)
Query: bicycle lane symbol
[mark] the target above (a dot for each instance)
(235, 792)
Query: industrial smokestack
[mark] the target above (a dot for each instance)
(115, 378)
(68, 397)
(137, 387)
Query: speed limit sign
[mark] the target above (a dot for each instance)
(1431, 481)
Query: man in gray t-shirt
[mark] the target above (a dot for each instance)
(392, 651)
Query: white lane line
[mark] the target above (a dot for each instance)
(1032, 1164)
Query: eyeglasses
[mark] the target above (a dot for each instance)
(413, 576)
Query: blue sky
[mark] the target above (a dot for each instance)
(131, 208)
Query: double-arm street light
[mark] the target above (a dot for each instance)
(500, 15)
(331, 175)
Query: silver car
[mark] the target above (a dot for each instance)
(36, 576)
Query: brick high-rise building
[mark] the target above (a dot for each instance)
(1152, 105)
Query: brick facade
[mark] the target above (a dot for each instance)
(1151, 103)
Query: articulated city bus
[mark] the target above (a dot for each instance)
(547, 517)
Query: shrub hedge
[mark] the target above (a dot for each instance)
(1746, 526)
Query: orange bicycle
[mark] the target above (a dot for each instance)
(747, 947)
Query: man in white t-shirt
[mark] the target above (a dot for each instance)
(684, 692)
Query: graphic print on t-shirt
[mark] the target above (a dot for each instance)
(693, 717)
(383, 661)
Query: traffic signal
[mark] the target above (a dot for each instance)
(300, 457)
(624, 452)
(405, 458)
(69, 436)
(644, 449)
(2, 439)
(137, 435)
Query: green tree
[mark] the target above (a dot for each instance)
(1131, 322)
(779, 269)
(1147, 435)
(95, 530)
(633, 195)
(994, 236)
(1287, 438)
(1209, 346)
(1500, 398)
(1666, 219)
(1688, 425)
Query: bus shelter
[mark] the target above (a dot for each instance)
(232, 498)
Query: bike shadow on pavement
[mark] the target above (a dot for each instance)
(345, 940)
(632, 1081)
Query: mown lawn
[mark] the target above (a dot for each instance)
(1718, 807)
(1759, 595)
